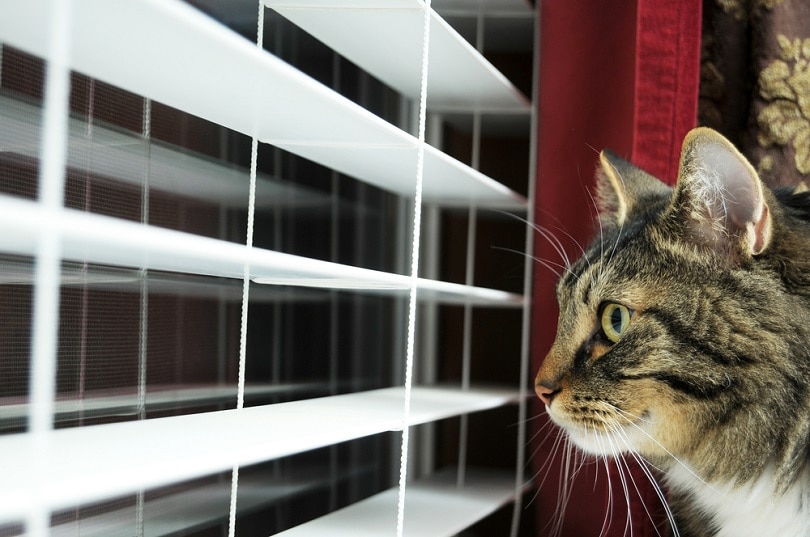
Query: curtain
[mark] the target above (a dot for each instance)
(622, 75)
(755, 82)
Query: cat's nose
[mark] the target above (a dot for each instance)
(546, 391)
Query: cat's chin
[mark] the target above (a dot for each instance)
(602, 438)
(598, 442)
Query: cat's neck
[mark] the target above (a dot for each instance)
(750, 509)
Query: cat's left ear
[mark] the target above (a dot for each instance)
(622, 188)
(720, 197)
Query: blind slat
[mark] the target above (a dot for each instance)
(105, 240)
(91, 463)
(205, 504)
(130, 280)
(372, 32)
(490, 8)
(169, 52)
(119, 156)
(158, 398)
(172, 53)
(436, 507)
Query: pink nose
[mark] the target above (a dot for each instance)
(546, 391)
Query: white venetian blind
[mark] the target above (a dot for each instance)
(226, 268)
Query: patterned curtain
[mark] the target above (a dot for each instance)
(755, 82)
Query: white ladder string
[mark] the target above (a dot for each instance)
(143, 320)
(240, 390)
(45, 317)
(417, 227)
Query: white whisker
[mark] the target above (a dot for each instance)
(623, 479)
(596, 209)
(545, 262)
(668, 452)
(615, 243)
(558, 441)
(609, 514)
(555, 243)
(656, 487)
(552, 239)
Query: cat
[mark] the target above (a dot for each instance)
(684, 337)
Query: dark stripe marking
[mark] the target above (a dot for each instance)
(684, 333)
(688, 386)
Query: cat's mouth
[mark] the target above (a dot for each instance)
(600, 442)
(608, 433)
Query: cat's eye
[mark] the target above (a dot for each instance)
(615, 318)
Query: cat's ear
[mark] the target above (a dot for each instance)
(720, 197)
(621, 187)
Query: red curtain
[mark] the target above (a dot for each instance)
(623, 75)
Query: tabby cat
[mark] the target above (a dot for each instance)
(684, 337)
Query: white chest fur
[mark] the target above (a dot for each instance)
(751, 509)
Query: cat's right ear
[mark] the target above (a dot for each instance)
(621, 185)
(720, 200)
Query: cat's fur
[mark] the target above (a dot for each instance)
(709, 380)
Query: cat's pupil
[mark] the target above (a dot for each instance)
(616, 320)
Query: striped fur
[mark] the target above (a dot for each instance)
(709, 381)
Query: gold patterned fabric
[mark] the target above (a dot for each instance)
(755, 82)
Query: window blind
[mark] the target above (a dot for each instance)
(217, 317)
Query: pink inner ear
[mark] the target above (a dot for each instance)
(733, 193)
(761, 232)
(737, 188)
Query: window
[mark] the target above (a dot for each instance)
(210, 321)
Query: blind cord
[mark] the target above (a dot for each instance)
(143, 321)
(88, 194)
(417, 227)
(240, 389)
(53, 158)
(146, 136)
(45, 322)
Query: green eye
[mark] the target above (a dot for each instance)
(615, 318)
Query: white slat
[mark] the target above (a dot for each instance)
(105, 240)
(172, 53)
(489, 8)
(119, 403)
(88, 464)
(130, 280)
(384, 37)
(204, 505)
(434, 506)
(120, 156)
(484, 492)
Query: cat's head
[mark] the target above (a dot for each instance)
(669, 313)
